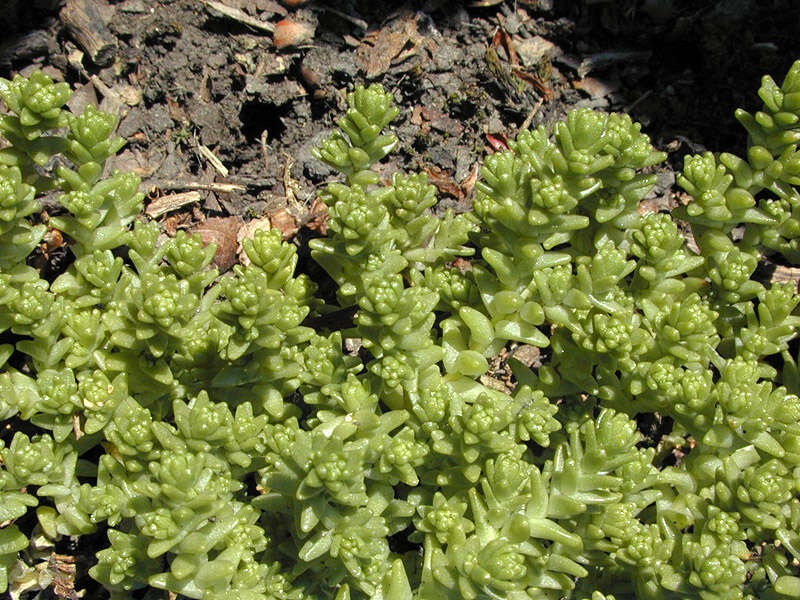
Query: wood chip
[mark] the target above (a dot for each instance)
(226, 188)
(171, 202)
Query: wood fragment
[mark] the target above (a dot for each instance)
(264, 150)
(212, 158)
(531, 114)
(171, 202)
(196, 185)
(238, 15)
(290, 186)
(85, 21)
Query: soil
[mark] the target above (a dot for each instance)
(195, 88)
(188, 81)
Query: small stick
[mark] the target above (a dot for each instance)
(192, 185)
(212, 158)
(240, 16)
(527, 122)
(264, 151)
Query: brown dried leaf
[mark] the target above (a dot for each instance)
(284, 222)
(526, 354)
(502, 39)
(221, 231)
(172, 223)
(378, 49)
(462, 264)
(444, 182)
(534, 82)
(248, 231)
(596, 88)
(177, 113)
(318, 217)
(470, 180)
(498, 143)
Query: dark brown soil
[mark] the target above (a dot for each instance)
(186, 76)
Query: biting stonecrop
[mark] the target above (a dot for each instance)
(225, 449)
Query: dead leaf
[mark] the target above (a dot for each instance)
(221, 231)
(526, 354)
(172, 223)
(470, 180)
(132, 160)
(534, 81)
(596, 88)
(84, 95)
(444, 182)
(379, 48)
(462, 264)
(248, 231)
(498, 143)
(177, 113)
(318, 217)
(284, 222)
(501, 39)
(62, 569)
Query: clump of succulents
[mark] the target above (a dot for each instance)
(225, 449)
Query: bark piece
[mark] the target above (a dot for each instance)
(87, 22)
